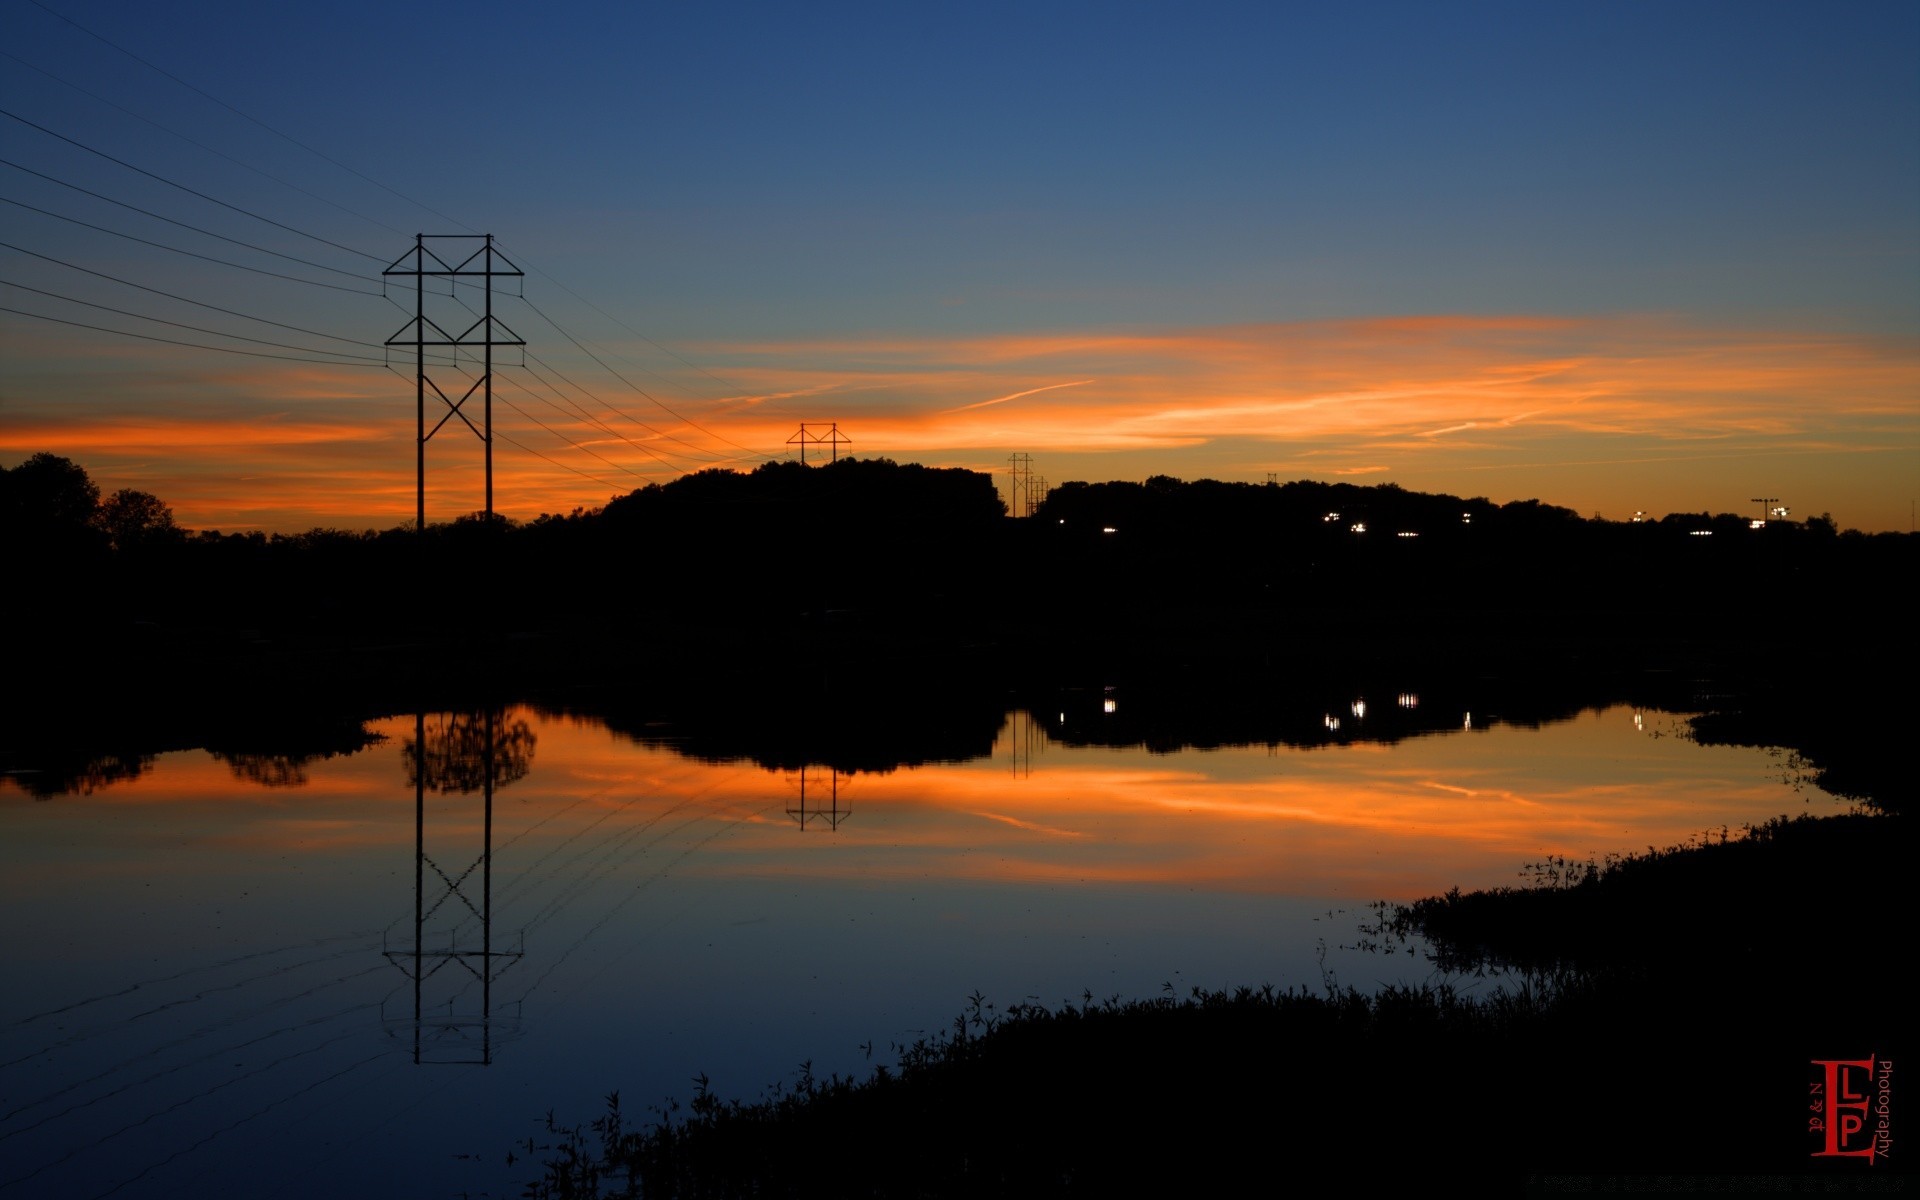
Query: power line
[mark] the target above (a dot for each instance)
(202, 145)
(246, 116)
(636, 387)
(590, 419)
(635, 332)
(576, 445)
(178, 250)
(305, 262)
(183, 187)
(185, 300)
(556, 462)
(178, 325)
(332, 362)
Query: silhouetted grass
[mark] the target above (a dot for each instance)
(1662, 1019)
(1741, 901)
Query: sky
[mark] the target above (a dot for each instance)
(1621, 257)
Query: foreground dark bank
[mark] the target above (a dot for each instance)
(1661, 1032)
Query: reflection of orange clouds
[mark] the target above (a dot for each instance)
(1359, 822)
(1353, 825)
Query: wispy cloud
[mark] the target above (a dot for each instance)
(1017, 395)
(1414, 398)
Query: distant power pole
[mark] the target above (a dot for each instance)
(1763, 502)
(1021, 468)
(484, 263)
(833, 439)
(1036, 493)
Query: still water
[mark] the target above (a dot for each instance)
(352, 975)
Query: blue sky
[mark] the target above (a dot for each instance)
(1703, 219)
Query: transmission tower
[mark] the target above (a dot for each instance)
(445, 960)
(421, 263)
(1020, 491)
(833, 439)
(833, 814)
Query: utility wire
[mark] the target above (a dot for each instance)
(569, 440)
(178, 325)
(174, 342)
(183, 187)
(305, 262)
(556, 462)
(246, 116)
(636, 387)
(576, 445)
(592, 420)
(202, 145)
(196, 303)
(635, 332)
(178, 250)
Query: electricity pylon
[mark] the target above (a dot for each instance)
(484, 263)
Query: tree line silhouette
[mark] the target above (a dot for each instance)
(795, 572)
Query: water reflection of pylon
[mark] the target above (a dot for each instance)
(833, 814)
(466, 754)
(1022, 737)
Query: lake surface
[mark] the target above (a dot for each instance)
(266, 976)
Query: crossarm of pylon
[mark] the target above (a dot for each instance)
(489, 269)
(417, 324)
(419, 254)
(487, 339)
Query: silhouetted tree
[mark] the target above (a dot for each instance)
(456, 752)
(49, 503)
(133, 519)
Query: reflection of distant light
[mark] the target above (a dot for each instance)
(1638, 723)
(1466, 518)
(1409, 700)
(1405, 533)
(1756, 523)
(1359, 709)
(1700, 532)
(1468, 723)
(1639, 517)
(1331, 517)
(1331, 721)
(1063, 718)
(1106, 529)
(1109, 705)
(1358, 527)
(1063, 520)
(1778, 514)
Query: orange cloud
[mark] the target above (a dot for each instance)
(1426, 400)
